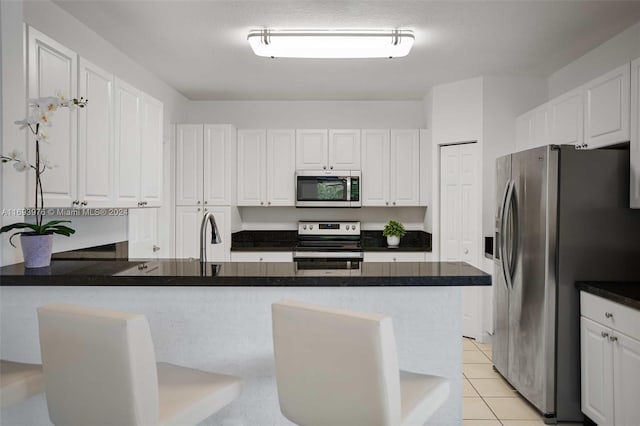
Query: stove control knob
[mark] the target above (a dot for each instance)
(310, 226)
(304, 226)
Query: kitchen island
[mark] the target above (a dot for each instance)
(218, 317)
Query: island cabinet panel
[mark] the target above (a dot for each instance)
(610, 360)
(53, 70)
(606, 108)
(96, 138)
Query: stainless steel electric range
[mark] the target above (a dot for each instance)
(332, 247)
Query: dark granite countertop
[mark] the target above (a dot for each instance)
(625, 293)
(286, 241)
(193, 273)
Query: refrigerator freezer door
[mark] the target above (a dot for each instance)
(528, 322)
(501, 291)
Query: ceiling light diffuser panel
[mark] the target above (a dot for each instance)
(331, 44)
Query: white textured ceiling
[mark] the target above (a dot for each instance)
(200, 47)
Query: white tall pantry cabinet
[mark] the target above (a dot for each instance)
(205, 182)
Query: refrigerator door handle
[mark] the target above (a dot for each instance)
(513, 233)
(507, 257)
(503, 237)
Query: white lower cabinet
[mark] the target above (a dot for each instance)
(262, 256)
(188, 221)
(405, 256)
(610, 361)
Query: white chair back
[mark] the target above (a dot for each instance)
(335, 367)
(99, 366)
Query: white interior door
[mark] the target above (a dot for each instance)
(459, 229)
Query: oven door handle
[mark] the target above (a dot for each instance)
(327, 255)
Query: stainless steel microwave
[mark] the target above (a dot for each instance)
(324, 188)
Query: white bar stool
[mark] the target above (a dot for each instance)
(337, 367)
(100, 369)
(19, 381)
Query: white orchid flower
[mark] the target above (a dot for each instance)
(48, 164)
(15, 155)
(44, 118)
(21, 165)
(42, 137)
(32, 119)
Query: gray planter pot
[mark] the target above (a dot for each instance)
(36, 249)
(393, 241)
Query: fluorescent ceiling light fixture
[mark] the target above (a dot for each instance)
(331, 43)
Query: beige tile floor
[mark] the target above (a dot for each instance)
(488, 400)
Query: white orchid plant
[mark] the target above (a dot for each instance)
(42, 110)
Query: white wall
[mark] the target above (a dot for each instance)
(50, 19)
(616, 51)
(372, 218)
(456, 116)
(309, 114)
(13, 108)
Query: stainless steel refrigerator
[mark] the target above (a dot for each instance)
(562, 216)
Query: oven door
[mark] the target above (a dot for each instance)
(328, 266)
(327, 189)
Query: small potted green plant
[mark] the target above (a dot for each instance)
(393, 231)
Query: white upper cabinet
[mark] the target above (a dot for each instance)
(219, 159)
(189, 173)
(53, 68)
(319, 149)
(128, 113)
(266, 167)
(95, 138)
(566, 119)
(251, 167)
(151, 152)
(390, 167)
(205, 160)
(635, 134)
(281, 151)
(532, 128)
(344, 149)
(375, 167)
(405, 167)
(606, 108)
(312, 151)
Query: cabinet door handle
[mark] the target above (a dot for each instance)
(613, 339)
(608, 315)
(269, 203)
(394, 203)
(198, 202)
(331, 167)
(198, 208)
(604, 334)
(155, 248)
(386, 203)
(324, 167)
(84, 203)
(206, 202)
(262, 203)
